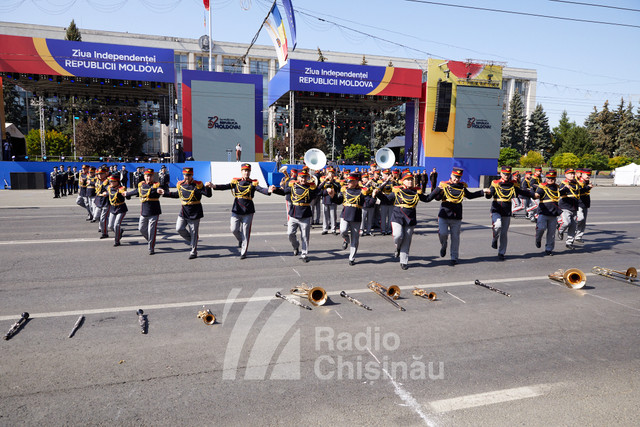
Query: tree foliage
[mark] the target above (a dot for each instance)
(109, 138)
(538, 133)
(73, 33)
(618, 161)
(356, 152)
(14, 111)
(595, 161)
(515, 126)
(565, 160)
(508, 157)
(533, 158)
(56, 144)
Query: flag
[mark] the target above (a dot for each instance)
(275, 38)
(206, 4)
(288, 10)
(276, 22)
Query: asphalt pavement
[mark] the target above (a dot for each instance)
(545, 355)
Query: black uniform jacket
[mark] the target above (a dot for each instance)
(243, 191)
(569, 195)
(404, 204)
(352, 200)
(585, 194)
(301, 195)
(502, 193)
(451, 196)
(116, 196)
(149, 198)
(101, 187)
(190, 196)
(549, 196)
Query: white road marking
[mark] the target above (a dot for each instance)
(403, 394)
(490, 398)
(243, 300)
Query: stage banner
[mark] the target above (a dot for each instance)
(32, 55)
(478, 122)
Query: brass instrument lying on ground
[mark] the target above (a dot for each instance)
(389, 294)
(431, 296)
(316, 296)
(631, 275)
(573, 278)
(207, 316)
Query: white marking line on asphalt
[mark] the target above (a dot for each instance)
(403, 394)
(252, 299)
(490, 398)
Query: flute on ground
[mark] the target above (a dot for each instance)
(76, 326)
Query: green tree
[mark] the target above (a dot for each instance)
(73, 33)
(514, 130)
(538, 133)
(602, 128)
(565, 160)
(308, 138)
(56, 144)
(595, 161)
(390, 125)
(356, 152)
(508, 157)
(560, 133)
(109, 137)
(533, 158)
(618, 161)
(14, 111)
(578, 142)
(629, 133)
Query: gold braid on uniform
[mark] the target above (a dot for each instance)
(114, 199)
(448, 195)
(350, 200)
(192, 194)
(145, 197)
(571, 190)
(295, 198)
(552, 195)
(240, 191)
(405, 199)
(504, 196)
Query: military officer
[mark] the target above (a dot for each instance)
(548, 211)
(101, 202)
(569, 190)
(117, 199)
(584, 204)
(149, 193)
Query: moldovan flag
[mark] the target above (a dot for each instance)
(277, 43)
(275, 28)
(288, 10)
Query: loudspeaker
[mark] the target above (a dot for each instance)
(443, 107)
(163, 112)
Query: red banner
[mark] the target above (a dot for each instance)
(206, 4)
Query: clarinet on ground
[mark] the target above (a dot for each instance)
(355, 301)
(142, 320)
(491, 288)
(292, 301)
(16, 326)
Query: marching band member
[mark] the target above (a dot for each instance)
(243, 190)
(316, 206)
(451, 194)
(368, 207)
(386, 185)
(90, 191)
(329, 208)
(301, 191)
(82, 200)
(502, 191)
(190, 192)
(548, 211)
(403, 219)
(149, 193)
(101, 202)
(116, 195)
(584, 204)
(569, 200)
(527, 185)
(352, 198)
(284, 183)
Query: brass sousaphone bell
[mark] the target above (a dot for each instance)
(573, 278)
(316, 295)
(385, 158)
(207, 317)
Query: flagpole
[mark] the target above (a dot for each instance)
(210, 40)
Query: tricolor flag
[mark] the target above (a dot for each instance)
(288, 10)
(276, 30)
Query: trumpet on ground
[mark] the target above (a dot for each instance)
(207, 317)
(573, 278)
(316, 296)
(431, 296)
(631, 275)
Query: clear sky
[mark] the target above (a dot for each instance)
(580, 64)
